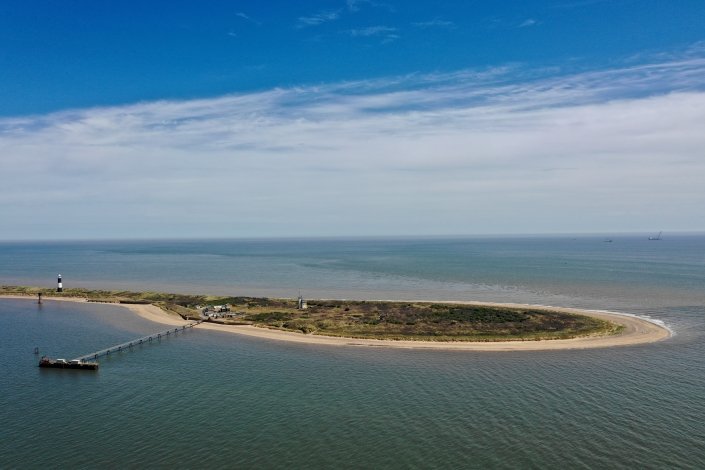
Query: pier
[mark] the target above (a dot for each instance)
(136, 342)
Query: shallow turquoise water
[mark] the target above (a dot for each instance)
(208, 399)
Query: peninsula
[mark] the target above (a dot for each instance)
(411, 324)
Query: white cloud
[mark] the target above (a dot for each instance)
(468, 152)
(355, 5)
(528, 22)
(248, 18)
(435, 23)
(373, 31)
(583, 3)
(318, 19)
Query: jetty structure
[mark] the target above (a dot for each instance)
(87, 361)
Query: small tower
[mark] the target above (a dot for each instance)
(59, 285)
(301, 304)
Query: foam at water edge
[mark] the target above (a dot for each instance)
(647, 318)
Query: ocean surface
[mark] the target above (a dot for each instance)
(208, 399)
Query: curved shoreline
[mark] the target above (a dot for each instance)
(636, 330)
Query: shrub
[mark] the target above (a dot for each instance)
(270, 317)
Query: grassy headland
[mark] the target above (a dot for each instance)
(423, 321)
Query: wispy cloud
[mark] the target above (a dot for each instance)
(582, 3)
(386, 34)
(248, 18)
(373, 31)
(318, 19)
(356, 5)
(528, 22)
(498, 150)
(435, 23)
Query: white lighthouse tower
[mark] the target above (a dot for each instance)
(59, 285)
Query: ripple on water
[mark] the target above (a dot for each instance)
(207, 399)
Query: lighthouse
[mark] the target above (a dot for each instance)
(59, 285)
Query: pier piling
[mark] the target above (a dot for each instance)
(130, 344)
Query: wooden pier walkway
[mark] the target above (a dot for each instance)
(136, 342)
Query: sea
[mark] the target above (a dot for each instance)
(207, 399)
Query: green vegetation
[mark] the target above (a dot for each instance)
(361, 319)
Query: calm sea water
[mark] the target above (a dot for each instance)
(208, 399)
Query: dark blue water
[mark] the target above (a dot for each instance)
(208, 399)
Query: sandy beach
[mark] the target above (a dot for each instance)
(636, 331)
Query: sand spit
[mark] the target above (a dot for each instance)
(636, 331)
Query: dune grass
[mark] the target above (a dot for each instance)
(365, 319)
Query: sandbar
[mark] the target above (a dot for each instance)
(636, 330)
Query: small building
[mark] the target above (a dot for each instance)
(214, 311)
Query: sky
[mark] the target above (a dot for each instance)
(220, 119)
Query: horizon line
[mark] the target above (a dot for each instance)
(644, 233)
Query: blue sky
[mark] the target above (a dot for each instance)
(69, 54)
(182, 118)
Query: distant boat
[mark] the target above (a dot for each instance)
(656, 238)
(608, 240)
